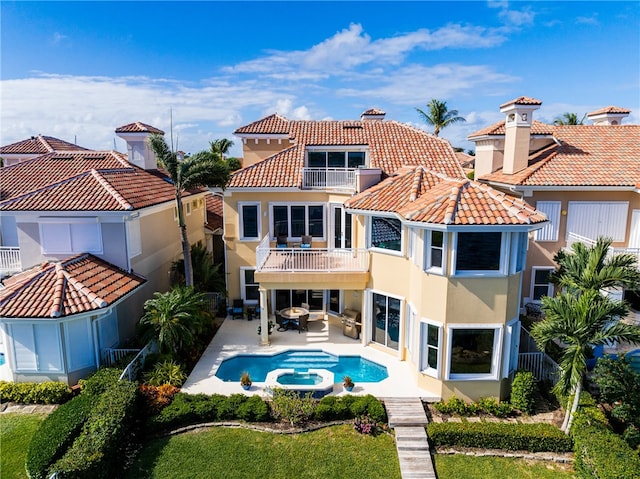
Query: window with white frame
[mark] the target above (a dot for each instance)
(335, 158)
(540, 284)
(79, 342)
(519, 246)
(36, 347)
(134, 238)
(430, 340)
(249, 220)
(479, 251)
(385, 320)
(385, 233)
(474, 352)
(249, 286)
(550, 231)
(297, 220)
(593, 219)
(434, 251)
(74, 236)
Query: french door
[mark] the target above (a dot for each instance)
(341, 235)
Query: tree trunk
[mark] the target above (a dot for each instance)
(567, 413)
(574, 407)
(186, 247)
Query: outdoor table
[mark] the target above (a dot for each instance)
(293, 313)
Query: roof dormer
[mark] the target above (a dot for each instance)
(610, 115)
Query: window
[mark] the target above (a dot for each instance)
(593, 219)
(36, 347)
(72, 237)
(188, 208)
(295, 220)
(434, 252)
(386, 233)
(478, 251)
(286, 298)
(430, 339)
(249, 286)
(386, 320)
(473, 352)
(540, 285)
(519, 246)
(249, 221)
(78, 338)
(335, 159)
(134, 237)
(550, 230)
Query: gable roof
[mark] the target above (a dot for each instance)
(391, 144)
(82, 181)
(39, 145)
(582, 155)
(78, 284)
(498, 129)
(138, 127)
(419, 195)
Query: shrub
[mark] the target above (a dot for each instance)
(97, 452)
(100, 381)
(331, 408)
(56, 433)
(166, 372)
(290, 406)
(157, 397)
(490, 435)
(494, 407)
(523, 392)
(485, 405)
(253, 409)
(50, 392)
(365, 425)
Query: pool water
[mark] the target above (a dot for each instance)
(299, 379)
(258, 365)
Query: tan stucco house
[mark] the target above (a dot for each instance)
(431, 260)
(585, 178)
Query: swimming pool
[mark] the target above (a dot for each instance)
(634, 359)
(258, 365)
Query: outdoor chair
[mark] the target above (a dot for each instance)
(280, 322)
(305, 306)
(302, 323)
(281, 241)
(306, 241)
(237, 311)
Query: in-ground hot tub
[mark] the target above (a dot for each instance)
(318, 382)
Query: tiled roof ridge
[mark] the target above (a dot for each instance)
(264, 120)
(111, 190)
(58, 292)
(45, 143)
(79, 287)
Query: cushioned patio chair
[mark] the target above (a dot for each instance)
(237, 311)
(306, 241)
(302, 323)
(305, 306)
(281, 241)
(280, 322)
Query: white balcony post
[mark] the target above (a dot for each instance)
(264, 318)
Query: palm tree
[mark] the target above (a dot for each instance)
(580, 322)
(569, 118)
(197, 171)
(207, 276)
(219, 148)
(439, 116)
(175, 318)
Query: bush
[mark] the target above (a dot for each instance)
(332, 408)
(291, 406)
(166, 372)
(485, 405)
(253, 409)
(50, 392)
(490, 435)
(523, 392)
(157, 397)
(98, 451)
(56, 433)
(100, 381)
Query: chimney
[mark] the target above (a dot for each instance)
(519, 117)
(610, 115)
(139, 151)
(372, 114)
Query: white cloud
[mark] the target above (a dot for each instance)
(592, 20)
(511, 16)
(57, 38)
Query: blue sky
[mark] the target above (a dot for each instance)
(77, 70)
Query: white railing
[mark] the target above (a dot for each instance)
(329, 178)
(10, 260)
(262, 252)
(113, 355)
(576, 238)
(540, 364)
(137, 363)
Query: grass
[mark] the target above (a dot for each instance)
(460, 466)
(15, 434)
(336, 451)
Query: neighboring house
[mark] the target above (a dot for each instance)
(34, 146)
(214, 227)
(585, 178)
(432, 260)
(113, 213)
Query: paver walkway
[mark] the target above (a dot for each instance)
(408, 419)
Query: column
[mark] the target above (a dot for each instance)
(264, 318)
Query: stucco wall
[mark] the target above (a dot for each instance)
(254, 152)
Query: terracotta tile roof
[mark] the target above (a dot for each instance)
(537, 128)
(83, 181)
(419, 195)
(78, 284)
(39, 145)
(588, 155)
(391, 144)
(138, 127)
(522, 100)
(374, 111)
(609, 109)
(214, 211)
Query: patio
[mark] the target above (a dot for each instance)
(240, 337)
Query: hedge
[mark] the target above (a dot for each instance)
(599, 452)
(100, 381)
(98, 451)
(348, 407)
(56, 433)
(492, 435)
(50, 392)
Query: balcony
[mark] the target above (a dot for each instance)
(575, 238)
(311, 265)
(10, 260)
(339, 179)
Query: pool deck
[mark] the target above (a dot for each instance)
(240, 337)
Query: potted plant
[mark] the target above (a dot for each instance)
(348, 383)
(245, 381)
(271, 324)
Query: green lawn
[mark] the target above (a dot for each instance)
(336, 451)
(460, 466)
(15, 434)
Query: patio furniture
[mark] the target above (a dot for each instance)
(302, 323)
(292, 317)
(281, 241)
(305, 306)
(306, 241)
(280, 321)
(237, 311)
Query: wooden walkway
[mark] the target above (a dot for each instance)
(407, 417)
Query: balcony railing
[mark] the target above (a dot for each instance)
(329, 179)
(575, 238)
(310, 260)
(10, 260)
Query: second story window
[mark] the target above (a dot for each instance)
(335, 159)
(75, 236)
(297, 220)
(249, 221)
(434, 251)
(479, 252)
